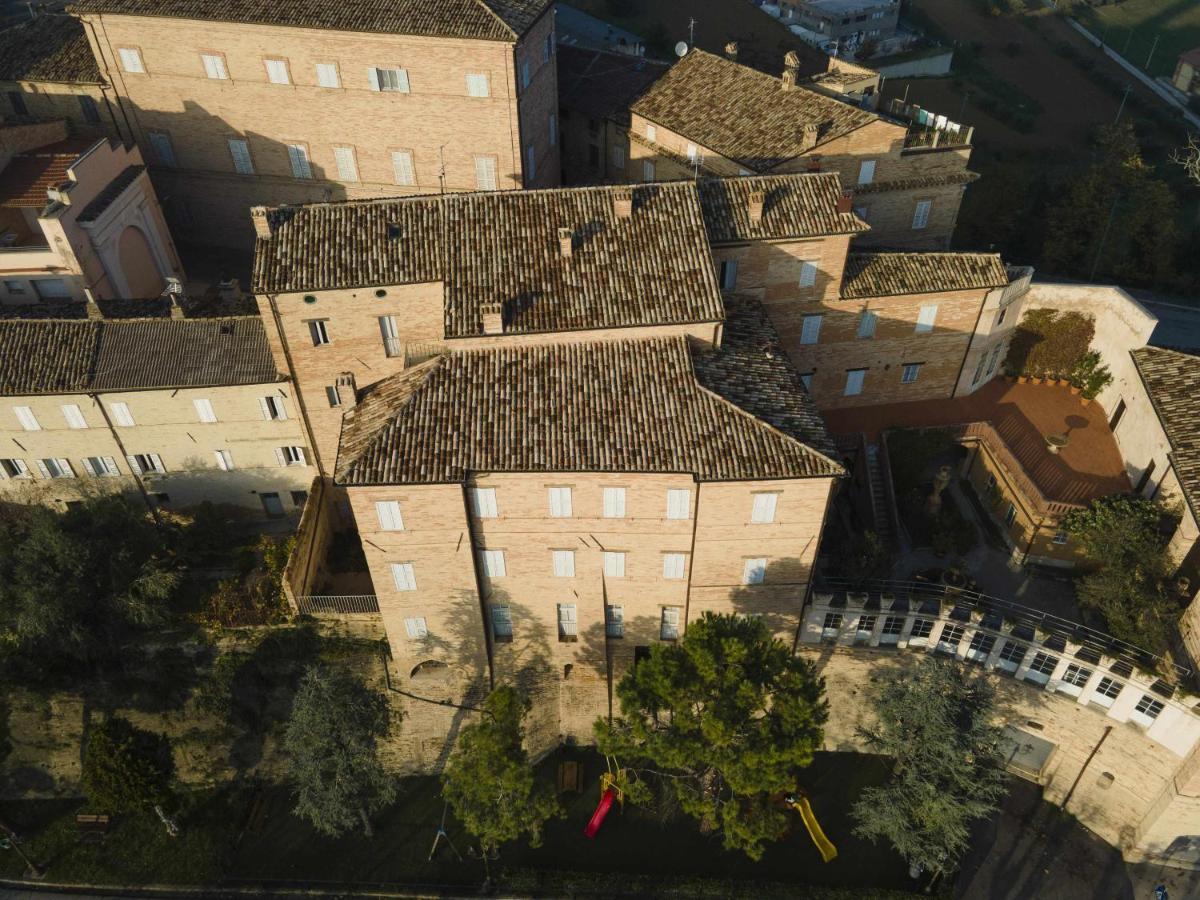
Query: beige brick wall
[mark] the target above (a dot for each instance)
(52, 100)
(569, 679)
(437, 121)
(537, 106)
(165, 423)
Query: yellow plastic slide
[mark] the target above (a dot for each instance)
(824, 845)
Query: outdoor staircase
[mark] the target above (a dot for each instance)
(879, 499)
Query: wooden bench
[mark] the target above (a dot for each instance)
(570, 777)
(92, 826)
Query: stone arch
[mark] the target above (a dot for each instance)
(138, 267)
(429, 670)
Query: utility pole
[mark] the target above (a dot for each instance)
(1124, 97)
(1128, 39)
(692, 32)
(1153, 47)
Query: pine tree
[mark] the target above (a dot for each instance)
(126, 767)
(935, 722)
(489, 781)
(725, 718)
(332, 739)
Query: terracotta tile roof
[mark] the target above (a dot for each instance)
(743, 114)
(54, 356)
(503, 248)
(205, 307)
(1191, 57)
(1172, 379)
(886, 274)
(602, 85)
(26, 178)
(914, 184)
(489, 20)
(50, 48)
(617, 406)
(105, 198)
(793, 206)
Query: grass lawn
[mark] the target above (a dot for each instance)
(1132, 25)
(635, 850)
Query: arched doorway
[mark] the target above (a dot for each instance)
(137, 264)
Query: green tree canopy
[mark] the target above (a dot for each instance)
(726, 717)
(489, 781)
(73, 585)
(935, 722)
(1123, 538)
(126, 768)
(332, 739)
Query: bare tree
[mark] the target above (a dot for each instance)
(1189, 158)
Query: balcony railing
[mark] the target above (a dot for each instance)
(337, 604)
(929, 131)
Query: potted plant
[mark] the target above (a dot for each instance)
(1023, 378)
(1091, 376)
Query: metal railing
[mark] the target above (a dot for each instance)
(1077, 633)
(337, 604)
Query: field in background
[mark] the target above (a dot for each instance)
(1131, 27)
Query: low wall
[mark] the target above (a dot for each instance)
(925, 67)
(312, 541)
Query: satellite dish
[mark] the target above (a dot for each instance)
(681, 48)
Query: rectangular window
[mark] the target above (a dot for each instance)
(483, 503)
(524, 74)
(866, 626)
(318, 330)
(239, 149)
(204, 410)
(806, 380)
(272, 408)
(502, 624)
(389, 330)
(910, 372)
(1060, 538)
(121, 415)
(277, 71)
(402, 167)
(926, 317)
(614, 564)
(143, 463)
(866, 171)
(27, 419)
(164, 152)
(389, 80)
(55, 467)
(669, 628)
(14, 468)
(866, 324)
(754, 570)
(224, 460)
(618, 156)
(331, 396)
(74, 416)
(415, 628)
(530, 162)
(921, 629)
(214, 66)
(651, 133)
(648, 170)
(1000, 316)
(290, 456)
(1010, 514)
(728, 274)
(808, 273)
(614, 621)
(1041, 668)
(1147, 710)
(485, 173)
(17, 102)
(831, 625)
(1073, 680)
(921, 214)
(614, 503)
(89, 110)
(388, 514)
(404, 577)
(679, 503)
(327, 75)
(893, 626)
(552, 127)
(101, 466)
(674, 565)
(980, 647)
(854, 382)
(477, 85)
(131, 60)
(14, 287)
(810, 331)
(1011, 655)
(568, 622)
(693, 153)
(560, 502)
(949, 638)
(298, 157)
(762, 511)
(564, 563)
(1106, 692)
(492, 563)
(346, 162)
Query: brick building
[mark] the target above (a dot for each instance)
(174, 410)
(241, 103)
(712, 116)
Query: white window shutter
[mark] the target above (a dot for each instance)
(158, 463)
(402, 74)
(121, 414)
(811, 330)
(41, 467)
(388, 513)
(280, 457)
(110, 466)
(301, 459)
(265, 407)
(65, 465)
(926, 317)
(373, 77)
(27, 419)
(88, 467)
(402, 164)
(133, 464)
(764, 508)
(808, 273)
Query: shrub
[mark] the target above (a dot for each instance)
(127, 768)
(256, 597)
(1049, 344)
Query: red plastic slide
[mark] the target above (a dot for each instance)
(606, 802)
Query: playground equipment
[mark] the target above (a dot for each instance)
(610, 792)
(799, 802)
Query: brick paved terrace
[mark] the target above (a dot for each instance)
(1089, 466)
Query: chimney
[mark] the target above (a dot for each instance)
(845, 203)
(808, 136)
(755, 207)
(814, 163)
(262, 228)
(347, 391)
(566, 239)
(791, 70)
(229, 289)
(93, 308)
(731, 50)
(176, 309)
(623, 203)
(493, 318)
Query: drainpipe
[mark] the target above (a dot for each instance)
(1087, 762)
(141, 485)
(487, 640)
